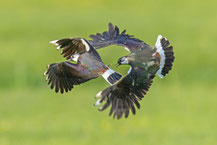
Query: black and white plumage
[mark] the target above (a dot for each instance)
(145, 62)
(63, 76)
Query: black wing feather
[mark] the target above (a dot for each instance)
(62, 76)
(71, 46)
(114, 37)
(127, 93)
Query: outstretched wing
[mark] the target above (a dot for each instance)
(72, 46)
(125, 95)
(63, 76)
(114, 37)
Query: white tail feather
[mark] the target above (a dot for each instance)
(160, 50)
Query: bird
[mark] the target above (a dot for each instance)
(145, 60)
(88, 65)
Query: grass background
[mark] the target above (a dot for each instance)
(179, 109)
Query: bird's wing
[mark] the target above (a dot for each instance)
(114, 37)
(72, 46)
(125, 94)
(63, 76)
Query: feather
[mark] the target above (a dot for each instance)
(105, 106)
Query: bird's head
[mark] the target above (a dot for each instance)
(122, 60)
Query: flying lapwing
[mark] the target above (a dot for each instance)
(145, 62)
(64, 75)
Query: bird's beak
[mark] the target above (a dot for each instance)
(117, 64)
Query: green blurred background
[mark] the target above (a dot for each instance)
(178, 110)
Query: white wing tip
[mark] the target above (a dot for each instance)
(54, 42)
(45, 73)
(97, 102)
(58, 47)
(98, 95)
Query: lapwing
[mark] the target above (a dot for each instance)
(145, 62)
(64, 75)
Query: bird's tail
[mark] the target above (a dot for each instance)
(166, 55)
(111, 76)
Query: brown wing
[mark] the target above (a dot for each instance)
(63, 76)
(71, 46)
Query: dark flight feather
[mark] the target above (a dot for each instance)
(124, 96)
(169, 54)
(62, 76)
(71, 46)
(114, 37)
